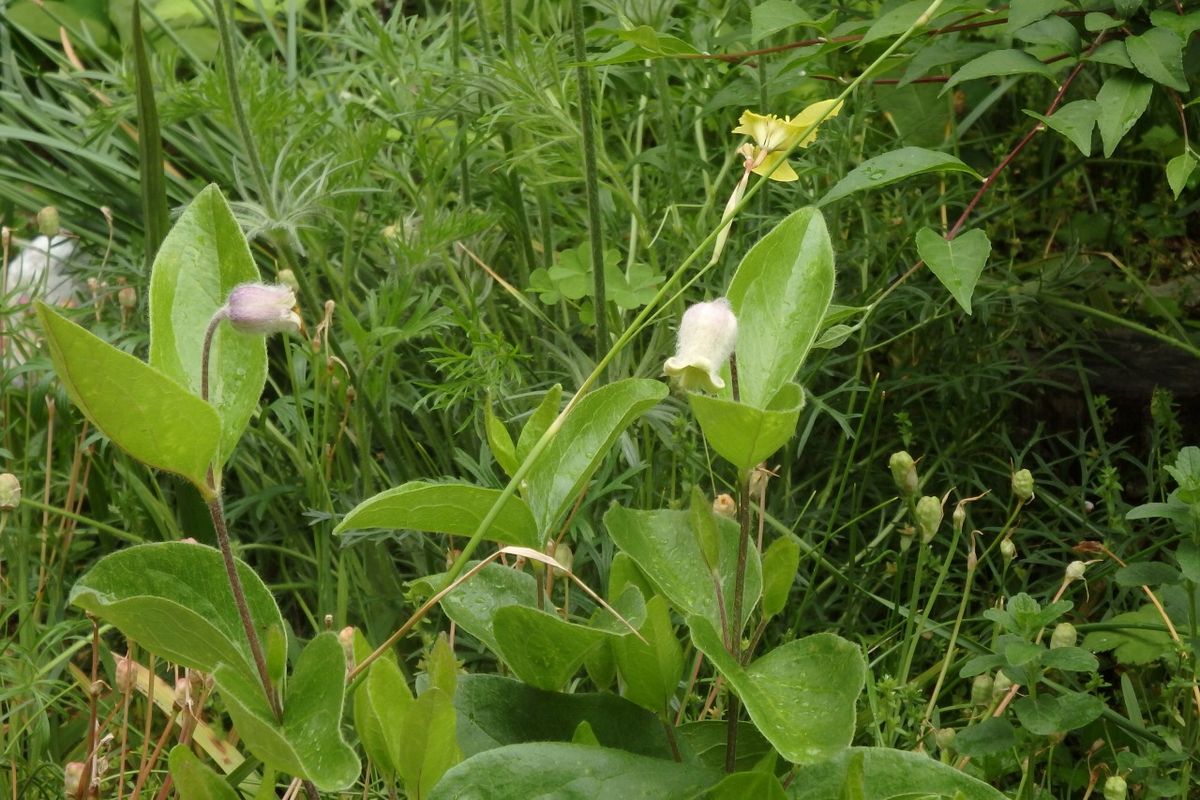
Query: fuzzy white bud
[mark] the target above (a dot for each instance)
(707, 336)
(263, 309)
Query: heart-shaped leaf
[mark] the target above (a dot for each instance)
(957, 262)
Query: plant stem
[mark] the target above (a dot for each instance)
(592, 183)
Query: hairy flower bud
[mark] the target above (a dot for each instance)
(707, 335)
(929, 517)
(72, 778)
(126, 674)
(904, 472)
(263, 309)
(1064, 635)
(1022, 484)
(724, 505)
(10, 491)
(1115, 788)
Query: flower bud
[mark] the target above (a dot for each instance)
(707, 335)
(904, 472)
(725, 506)
(981, 690)
(183, 691)
(1022, 484)
(1075, 571)
(1001, 686)
(1008, 550)
(288, 279)
(929, 517)
(945, 738)
(48, 222)
(1064, 635)
(1115, 788)
(73, 778)
(127, 297)
(10, 491)
(346, 640)
(564, 556)
(260, 308)
(126, 674)
(959, 517)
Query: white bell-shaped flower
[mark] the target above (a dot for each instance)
(263, 309)
(707, 336)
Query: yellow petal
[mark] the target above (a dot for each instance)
(810, 115)
(768, 131)
(783, 173)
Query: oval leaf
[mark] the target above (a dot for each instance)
(1122, 100)
(452, 508)
(886, 773)
(308, 743)
(743, 435)
(556, 769)
(174, 599)
(144, 412)
(892, 167)
(801, 695)
(589, 432)
(780, 294)
(203, 257)
(997, 63)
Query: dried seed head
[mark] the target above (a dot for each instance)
(127, 297)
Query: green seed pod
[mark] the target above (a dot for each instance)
(1008, 550)
(981, 690)
(1064, 635)
(929, 517)
(48, 222)
(10, 491)
(1022, 484)
(945, 738)
(1115, 788)
(904, 472)
(1000, 686)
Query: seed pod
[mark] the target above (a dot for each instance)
(1008, 550)
(1115, 788)
(904, 472)
(1022, 484)
(1075, 570)
(981, 690)
(48, 222)
(10, 491)
(1064, 635)
(929, 517)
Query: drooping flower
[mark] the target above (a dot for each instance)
(774, 137)
(263, 309)
(707, 335)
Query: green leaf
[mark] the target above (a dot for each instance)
(901, 18)
(44, 20)
(780, 563)
(1021, 653)
(542, 649)
(453, 508)
(1138, 644)
(380, 704)
(1183, 24)
(203, 257)
(743, 435)
(741, 785)
(651, 669)
(993, 735)
(643, 43)
(1026, 12)
(1127, 8)
(706, 742)
(1147, 573)
(425, 745)
(1158, 54)
(1179, 169)
(1123, 100)
(499, 440)
(474, 603)
(539, 421)
(888, 774)
(1111, 53)
(1070, 659)
(143, 411)
(704, 526)
(173, 598)
(557, 769)
(194, 780)
(1096, 21)
(957, 262)
(1188, 558)
(998, 63)
(563, 469)
(801, 695)
(1045, 715)
(665, 548)
(494, 711)
(773, 16)
(889, 168)
(1053, 31)
(780, 293)
(308, 743)
(1076, 121)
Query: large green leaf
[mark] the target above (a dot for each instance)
(998, 63)
(194, 780)
(571, 772)
(203, 257)
(801, 695)
(1158, 54)
(143, 411)
(744, 435)
(454, 508)
(473, 604)
(308, 742)
(957, 262)
(494, 711)
(705, 741)
(173, 598)
(651, 668)
(562, 470)
(425, 746)
(1076, 121)
(780, 293)
(1123, 100)
(380, 703)
(886, 774)
(1045, 714)
(664, 546)
(889, 168)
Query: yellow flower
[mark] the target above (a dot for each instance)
(774, 138)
